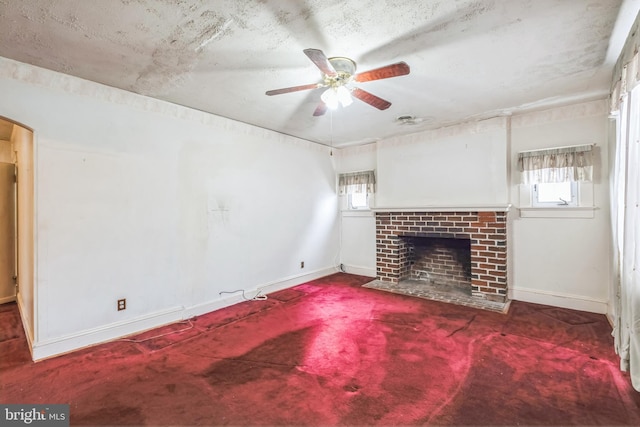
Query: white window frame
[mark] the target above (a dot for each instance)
(584, 207)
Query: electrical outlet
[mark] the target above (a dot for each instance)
(301, 264)
(122, 304)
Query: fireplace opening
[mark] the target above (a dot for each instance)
(443, 263)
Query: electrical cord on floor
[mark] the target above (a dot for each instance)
(161, 335)
(256, 297)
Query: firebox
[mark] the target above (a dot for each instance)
(438, 261)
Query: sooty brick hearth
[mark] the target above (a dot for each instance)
(484, 233)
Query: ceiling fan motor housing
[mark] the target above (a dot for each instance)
(345, 69)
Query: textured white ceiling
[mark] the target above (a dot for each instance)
(469, 59)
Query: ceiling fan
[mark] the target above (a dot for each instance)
(337, 74)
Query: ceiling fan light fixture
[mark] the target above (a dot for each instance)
(344, 96)
(330, 97)
(335, 96)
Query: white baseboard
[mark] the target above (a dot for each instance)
(263, 289)
(5, 300)
(65, 344)
(25, 324)
(555, 299)
(209, 306)
(295, 280)
(54, 347)
(360, 271)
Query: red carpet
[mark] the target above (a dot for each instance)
(330, 352)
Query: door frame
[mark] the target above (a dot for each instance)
(23, 140)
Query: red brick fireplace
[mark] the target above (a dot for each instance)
(485, 231)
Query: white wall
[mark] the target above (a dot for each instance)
(462, 165)
(563, 261)
(161, 205)
(358, 228)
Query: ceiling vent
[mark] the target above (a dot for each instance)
(408, 120)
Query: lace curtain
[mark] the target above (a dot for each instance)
(557, 164)
(625, 202)
(356, 182)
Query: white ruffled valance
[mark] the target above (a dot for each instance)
(564, 164)
(626, 72)
(356, 182)
(628, 78)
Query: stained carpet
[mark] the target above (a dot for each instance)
(331, 352)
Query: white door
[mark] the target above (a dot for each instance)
(7, 232)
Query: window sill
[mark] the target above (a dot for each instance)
(357, 212)
(559, 212)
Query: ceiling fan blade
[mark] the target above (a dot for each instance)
(386, 72)
(370, 99)
(293, 89)
(320, 59)
(320, 109)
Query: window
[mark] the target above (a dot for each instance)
(556, 182)
(555, 194)
(357, 186)
(358, 201)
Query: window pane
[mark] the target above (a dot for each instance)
(554, 192)
(358, 200)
